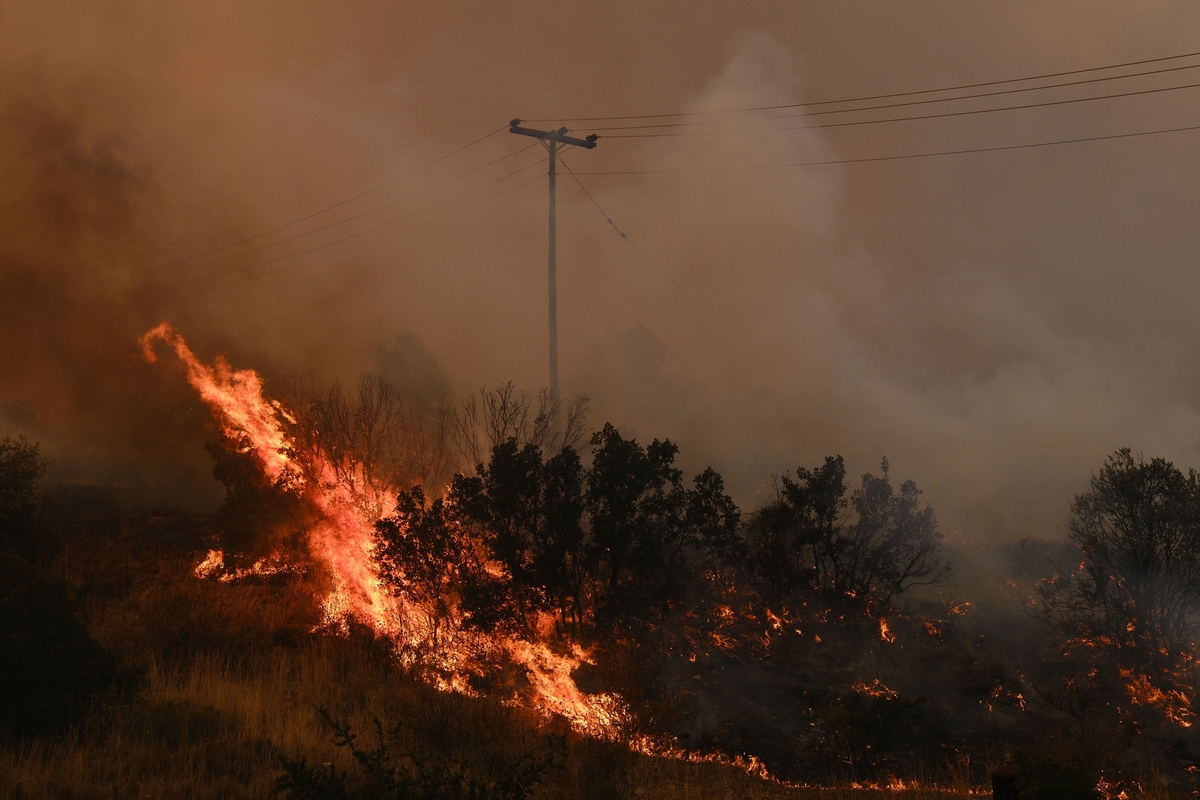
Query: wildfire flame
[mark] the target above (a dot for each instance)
(341, 541)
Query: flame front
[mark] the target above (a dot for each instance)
(341, 541)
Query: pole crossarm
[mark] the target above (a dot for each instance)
(559, 135)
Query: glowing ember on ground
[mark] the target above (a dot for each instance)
(1174, 703)
(874, 689)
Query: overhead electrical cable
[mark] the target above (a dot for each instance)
(889, 95)
(419, 224)
(663, 129)
(341, 203)
(642, 253)
(901, 157)
(942, 115)
(908, 103)
(346, 220)
(366, 230)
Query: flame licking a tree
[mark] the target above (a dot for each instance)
(341, 540)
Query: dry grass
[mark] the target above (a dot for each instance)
(233, 681)
(214, 727)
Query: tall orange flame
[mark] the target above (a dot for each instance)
(341, 540)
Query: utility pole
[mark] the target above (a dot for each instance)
(553, 139)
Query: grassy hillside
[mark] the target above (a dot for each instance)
(224, 679)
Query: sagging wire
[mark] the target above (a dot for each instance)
(648, 259)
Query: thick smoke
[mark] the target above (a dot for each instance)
(994, 324)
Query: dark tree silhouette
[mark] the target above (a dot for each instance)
(862, 551)
(21, 469)
(49, 665)
(644, 523)
(528, 513)
(1138, 586)
(527, 535)
(258, 515)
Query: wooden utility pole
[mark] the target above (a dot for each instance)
(553, 139)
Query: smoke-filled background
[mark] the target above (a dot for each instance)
(994, 323)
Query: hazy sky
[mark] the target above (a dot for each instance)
(994, 323)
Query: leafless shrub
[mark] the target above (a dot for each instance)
(369, 438)
(491, 417)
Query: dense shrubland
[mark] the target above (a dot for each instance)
(823, 632)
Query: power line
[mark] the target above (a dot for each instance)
(901, 157)
(429, 221)
(853, 123)
(369, 211)
(339, 204)
(889, 95)
(642, 253)
(926, 101)
(365, 231)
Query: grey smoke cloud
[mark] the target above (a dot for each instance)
(994, 324)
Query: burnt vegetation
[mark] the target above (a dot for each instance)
(823, 635)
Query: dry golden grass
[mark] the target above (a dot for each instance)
(233, 680)
(215, 727)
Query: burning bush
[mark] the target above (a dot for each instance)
(609, 545)
(1127, 618)
(259, 515)
(368, 439)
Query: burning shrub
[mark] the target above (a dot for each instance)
(611, 543)
(862, 551)
(419, 551)
(259, 515)
(1127, 618)
(527, 512)
(369, 439)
